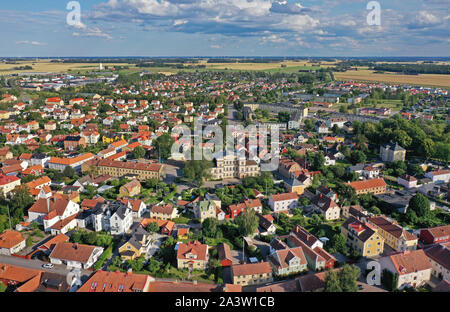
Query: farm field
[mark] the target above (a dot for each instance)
(46, 66)
(370, 76)
(290, 66)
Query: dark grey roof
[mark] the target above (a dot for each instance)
(393, 146)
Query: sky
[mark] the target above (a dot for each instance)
(224, 28)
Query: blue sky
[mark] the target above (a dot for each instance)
(225, 28)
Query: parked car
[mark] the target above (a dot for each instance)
(48, 266)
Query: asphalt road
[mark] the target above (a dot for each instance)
(37, 265)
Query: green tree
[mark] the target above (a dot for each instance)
(247, 222)
(357, 157)
(69, 172)
(210, 226)
(389, 280)
(420, 205)
(163, 145)
(348, 277)
(332, 282)
(197, 170)
(138, 152)
(152, 227)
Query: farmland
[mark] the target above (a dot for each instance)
(370, 76)
(47, 66)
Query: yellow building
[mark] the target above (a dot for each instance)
(4, 115)
(251, 273)
(130, 189)
(192, 255)
(143, 171)
(136, 246)
(394, 235)
(112, 137)
(362, 237)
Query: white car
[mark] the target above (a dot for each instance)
(48, 266)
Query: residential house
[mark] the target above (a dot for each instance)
(137, 206)
(435, 235)
(439, 176)
(288, 261)
(265, 224)
(251, 273)
(439, 257)
(393, 234)
(7, 184)
(131, 189)
(362, 237)
(75, 255)
(205, 209)
(113, 217)
(326, 206)
(373, 186)
(412, 268)
(72, 143)
(192, 255)
(407, 181)
(137, 245)
(105, 281)
(163, 212)
(56, 212)
(283, 202)
(11, 242)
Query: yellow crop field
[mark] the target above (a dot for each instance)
(46, 66)
(262, 66)
(394, 78)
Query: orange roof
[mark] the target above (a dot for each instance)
(368, 184)
(120, 143)
(196, 248)
(31, 169)
(103, 281)
(163, 286)
(38, 182)
(70, 161)
(7, 179)
(16, 273)
(60, 238)
(284, 196)
(10, 239)
(410, 261)
(251, 268)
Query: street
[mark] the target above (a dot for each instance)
(37, 265)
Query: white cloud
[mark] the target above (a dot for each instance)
(92, 32)
(35, 43)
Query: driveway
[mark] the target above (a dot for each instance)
(152, 248)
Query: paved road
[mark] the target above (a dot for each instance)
(37, 265)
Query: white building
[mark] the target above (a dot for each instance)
(113, 217)
(75, 255)
(439, 176)
(407, 181)
(412, 267)
(283, 202)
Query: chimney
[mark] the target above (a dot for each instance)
(75, 246)
(195, 282)
(48, 204)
